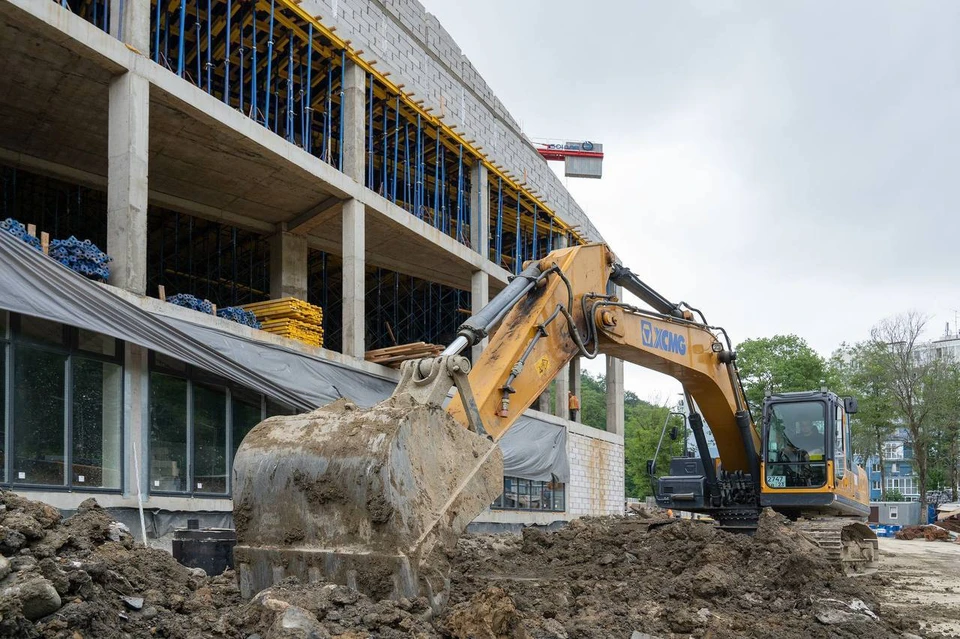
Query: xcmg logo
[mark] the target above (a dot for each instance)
(662, 338)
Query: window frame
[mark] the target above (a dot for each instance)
(232, 394)
(520, 486)
(12, 341)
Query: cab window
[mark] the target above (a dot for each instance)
(796, 449)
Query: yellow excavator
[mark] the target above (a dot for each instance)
(376, 498)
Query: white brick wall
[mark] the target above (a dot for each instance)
(418, 52)
(596, 485)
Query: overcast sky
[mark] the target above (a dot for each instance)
(785, 167)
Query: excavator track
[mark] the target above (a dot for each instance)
(848, 542)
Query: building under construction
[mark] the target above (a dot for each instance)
(340, 153)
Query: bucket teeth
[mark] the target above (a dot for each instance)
(373, 499)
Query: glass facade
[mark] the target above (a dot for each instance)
(528, 494)
(62, 416)
(196, 425)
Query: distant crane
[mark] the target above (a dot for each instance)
(581, 159)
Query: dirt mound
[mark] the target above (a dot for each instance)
(930, 533)
(610, 577)
(607, 577)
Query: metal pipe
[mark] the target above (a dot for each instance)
(516, 261)
(499, 240)
(266, 116)
(183, 17)
(396, 146)
(290, 134)
(209, 51)
(308, 109)
(254, 103)
(156, 35)
(226, 59)
(343, 75)
(534, 251)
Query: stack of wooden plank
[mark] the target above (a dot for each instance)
(394, 355)
(291, 318)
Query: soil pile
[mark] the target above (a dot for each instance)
(606, 577)
(929, 533)
(610, 577)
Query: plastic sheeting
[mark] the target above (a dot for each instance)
(34, 285)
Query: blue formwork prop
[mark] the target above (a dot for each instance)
(189, 301)
(81, 256)
(16, 229)
(239, 315)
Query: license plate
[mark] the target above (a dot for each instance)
(777, 481)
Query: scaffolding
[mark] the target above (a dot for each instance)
(285, 70)
(224, 264)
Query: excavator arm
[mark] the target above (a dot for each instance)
(567, 312)
(376, 498)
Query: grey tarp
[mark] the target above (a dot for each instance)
(34, 285)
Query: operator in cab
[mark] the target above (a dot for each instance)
(805, 442)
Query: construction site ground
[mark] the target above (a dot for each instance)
(605, 577)
(922, 580)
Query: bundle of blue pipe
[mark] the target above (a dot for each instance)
(189, 301)
(239, 315)
(81, 256)
(17, 229)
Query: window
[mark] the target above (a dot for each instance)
(196, 425)
(893, 450)
(894, 468)
(875, 467)
(796, 443)
(209, 439)
(528, 494)
(875, 485)
(168, 433)
(894, 512)
(65, 406)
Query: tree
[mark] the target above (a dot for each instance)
(780, 364)
(912, 381)
(859, 370)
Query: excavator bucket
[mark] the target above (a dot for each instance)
(371, 498)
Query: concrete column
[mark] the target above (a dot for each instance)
(288, 266)
(130, 23)
(575, 385)
(354, 263)
(354, 121)
(614, 395)
(543, 402)
(127, 140)
(479, 210)
(614, 378)
(479, 296)
(562, 385)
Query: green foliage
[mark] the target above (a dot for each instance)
(643, 424)
(780, 364)
(593, 400)
(893, 495)
(859, 371)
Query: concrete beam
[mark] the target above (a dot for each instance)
(288, 266)
(127, 193)
(479, 296)
(354, 280)
(130, 23)
(479, 210)
(354, 129)
(316, 215)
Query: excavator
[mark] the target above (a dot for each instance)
(377, 498)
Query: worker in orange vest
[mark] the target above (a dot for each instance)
(573, 403)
